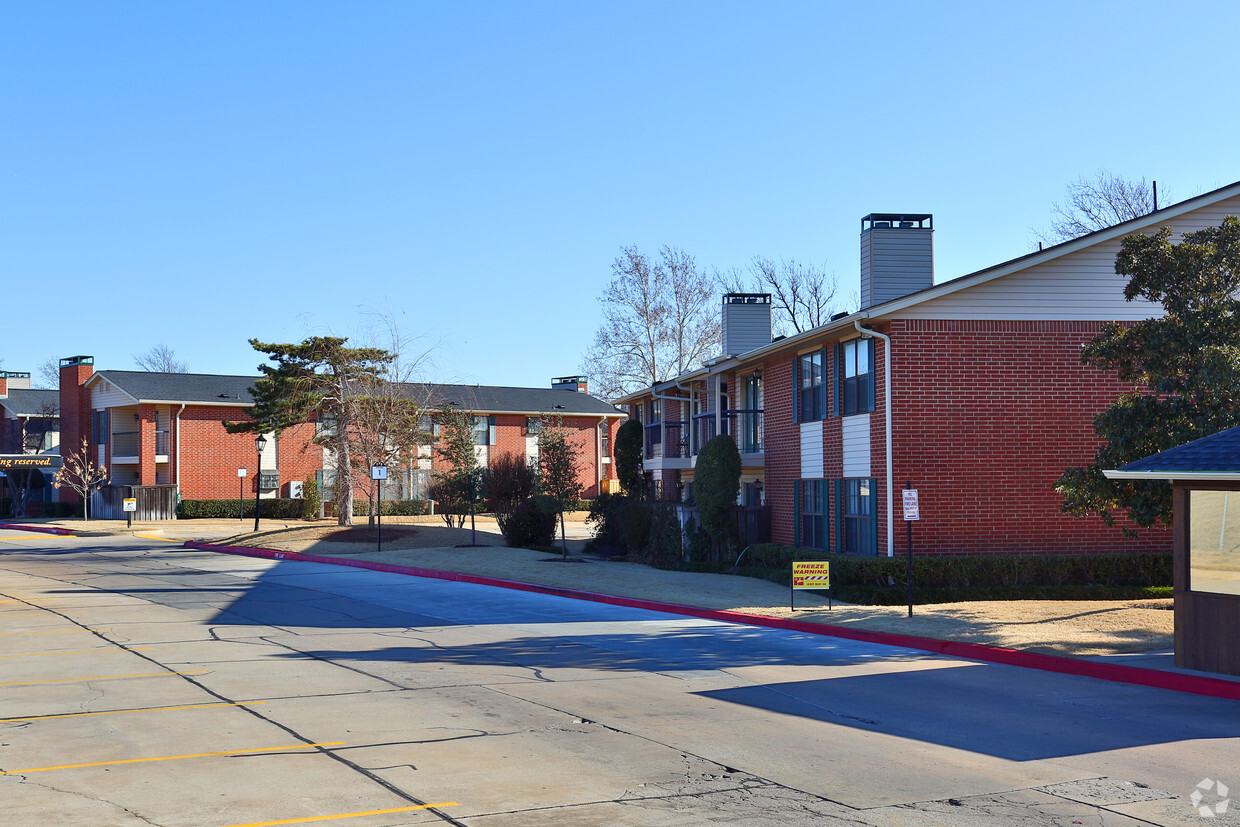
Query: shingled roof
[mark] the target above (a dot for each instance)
(32, 402)
(199, 388)
(210, 389)
(1214, 457)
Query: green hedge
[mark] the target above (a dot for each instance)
(392, 508)
(282, 509)
(289, 509)
(880, 580)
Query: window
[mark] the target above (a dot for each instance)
(484, 430)
(100, 428)
(605, 443)
(855, 374)
(858, 532)
(1214, 541)
(809, 386)
(811, 513)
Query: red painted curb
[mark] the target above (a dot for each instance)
(1137, 675)
(43, 529)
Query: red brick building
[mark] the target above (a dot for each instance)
(971, 389)
(167, 429)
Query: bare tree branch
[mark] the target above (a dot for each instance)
(160, 358)
(1097, 203)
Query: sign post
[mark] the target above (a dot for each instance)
(911, 513)
(240, 493)
(810, 574)
(130, 505)
(378, 473)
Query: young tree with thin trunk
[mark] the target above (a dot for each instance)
(457, 483)
(557, 463)
(78, 472)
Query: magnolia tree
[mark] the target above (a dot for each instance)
(78, 472)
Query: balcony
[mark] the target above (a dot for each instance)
(667, 446)
(126, 446)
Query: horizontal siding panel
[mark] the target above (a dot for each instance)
(855, 439)
(811, 451)
(1078, 286)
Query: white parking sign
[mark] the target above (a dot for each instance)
(911, 512)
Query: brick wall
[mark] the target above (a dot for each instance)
(74, 416)
(210, 456)
(987, 415)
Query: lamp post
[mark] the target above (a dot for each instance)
(260, 442)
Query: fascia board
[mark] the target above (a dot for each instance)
(1204, 476)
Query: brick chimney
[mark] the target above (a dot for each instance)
(74, 404)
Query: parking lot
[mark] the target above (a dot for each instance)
(143, 683)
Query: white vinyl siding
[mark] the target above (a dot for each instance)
(855, 437)
(106, 395)
(811, 450)
(1076, 286)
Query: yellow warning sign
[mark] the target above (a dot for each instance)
(811, 575)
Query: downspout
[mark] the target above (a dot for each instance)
(178, 433)
(891, 509)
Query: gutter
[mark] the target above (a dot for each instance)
(891, 507)
(178, 445)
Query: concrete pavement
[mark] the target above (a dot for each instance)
(527, 709)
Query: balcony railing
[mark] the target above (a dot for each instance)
(126, 443)
(667, 440)
(747, 428)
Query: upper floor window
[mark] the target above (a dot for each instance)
(101, 429)
(809, 386)
(856, 376)
(484, 430)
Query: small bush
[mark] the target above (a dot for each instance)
(532, 523)
(311, 500)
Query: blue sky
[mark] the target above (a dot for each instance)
(199, 174)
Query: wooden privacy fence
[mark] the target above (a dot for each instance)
(155, 502)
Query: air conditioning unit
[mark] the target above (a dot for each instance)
(296, 489)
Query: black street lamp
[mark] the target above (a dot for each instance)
(260, 442)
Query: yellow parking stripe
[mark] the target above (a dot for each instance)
(105, 678)
(127, 711)
(83, 652)
(151, 537)
(170, 758)
(348, 815)
(62, 632)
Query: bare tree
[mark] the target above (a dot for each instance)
(78, 472)
(160, 359)
(659, 320)
(1097, 203)
(47, 375)
(803, 296)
